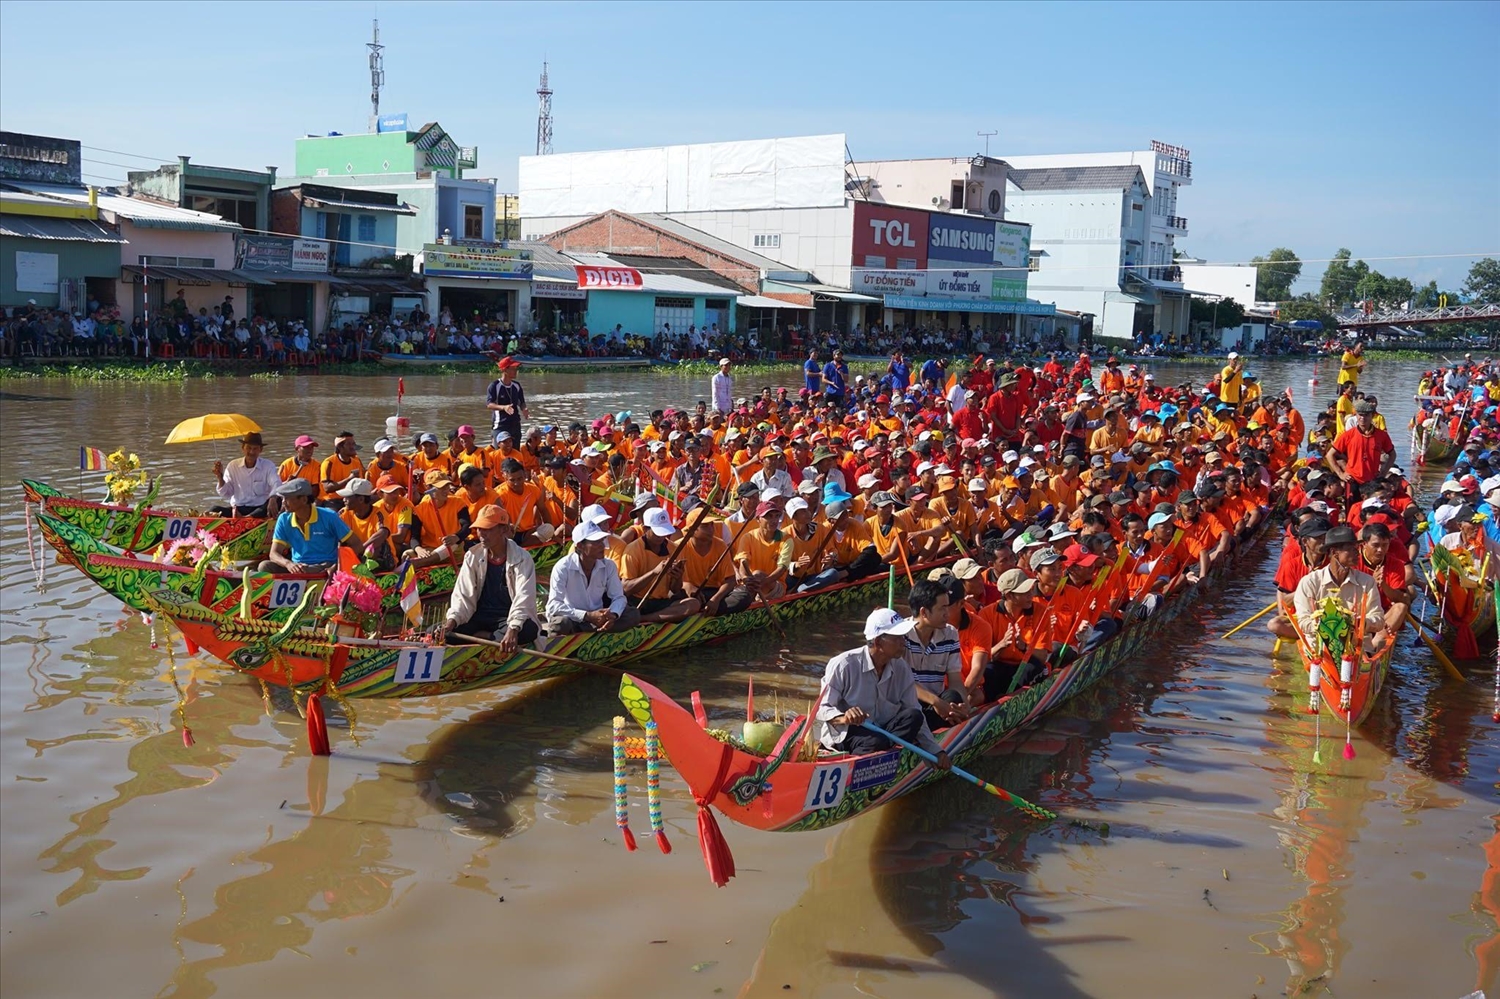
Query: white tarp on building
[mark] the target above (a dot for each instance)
(798, 172)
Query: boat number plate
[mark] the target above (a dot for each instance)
(419, 665)
(180, 528)
(286, 592)
(827, 787)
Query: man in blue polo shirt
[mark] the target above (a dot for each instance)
(835, 378)
(307, 538)
(812, 372)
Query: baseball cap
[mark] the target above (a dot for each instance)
(1015, 581)
(765, 507)
(489, 516)
(295, 487)
(388, 483)
(595, 514)
(466, 429)
(966, 568)
(881, 498)
(383, 445)
(437, 477)
(1157, 519)
(424, 439)
(659, 522)
(304, 441)
(867, 481)
(588, 531)
(358, 487)
(1076, 555)
(978, 485)
(1044, 556)
(884, 621)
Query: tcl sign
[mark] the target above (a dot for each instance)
(889, 238)
(610, 278)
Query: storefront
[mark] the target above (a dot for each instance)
(294, 279)
(478, 280)
(1007, 318)
(558, 306)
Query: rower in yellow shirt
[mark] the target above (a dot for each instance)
(1352, 364)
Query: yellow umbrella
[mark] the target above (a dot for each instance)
(212, 427)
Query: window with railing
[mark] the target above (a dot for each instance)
(1034, 264)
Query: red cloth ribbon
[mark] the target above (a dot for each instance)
(716, 855)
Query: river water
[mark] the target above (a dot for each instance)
(467, 846)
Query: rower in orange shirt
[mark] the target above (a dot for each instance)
(523, 501)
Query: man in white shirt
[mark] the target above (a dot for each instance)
(585, 593)
(873, 683)
(723, 388)
(1342, 580)
(248, 484)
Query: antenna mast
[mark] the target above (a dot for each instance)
(544, 116)
(377, 76)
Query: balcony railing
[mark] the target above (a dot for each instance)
(1172, 274)
(1177, 222)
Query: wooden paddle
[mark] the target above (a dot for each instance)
(1253, 618)
(1437, 650)
(463, 639)
(1036, 811)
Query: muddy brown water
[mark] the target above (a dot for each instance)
(466, 846)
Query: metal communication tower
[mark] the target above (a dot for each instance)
(377, 77)
(544, 116)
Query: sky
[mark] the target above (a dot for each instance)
(1312, 126)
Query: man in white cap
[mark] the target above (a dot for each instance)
(722, 387)
(873, 683)
(646, 575)
(585, 592)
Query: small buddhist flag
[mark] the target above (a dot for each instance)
(406, 585)
(91, 459)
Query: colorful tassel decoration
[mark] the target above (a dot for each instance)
(653, 787)
(622, 805)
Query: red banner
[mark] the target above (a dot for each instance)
(610, 279)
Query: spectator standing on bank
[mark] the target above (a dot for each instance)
(723, 388)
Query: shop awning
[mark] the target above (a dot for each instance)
(358, 206)
(927, 303)
(195, 276)
(839, 295)
(70, 230)
(371, 284)
(762, 302)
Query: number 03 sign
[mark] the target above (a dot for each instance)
(827, 787)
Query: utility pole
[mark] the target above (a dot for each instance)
(544, 116)
(377, 76)
(986, 136)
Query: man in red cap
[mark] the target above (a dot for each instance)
(507, 399)
(301, 464)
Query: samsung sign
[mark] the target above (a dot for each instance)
(958, 241)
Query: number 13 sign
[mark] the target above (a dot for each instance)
(827, 787)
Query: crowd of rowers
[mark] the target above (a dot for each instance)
(1070, 503)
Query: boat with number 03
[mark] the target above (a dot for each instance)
(295, 654)
(780, 792)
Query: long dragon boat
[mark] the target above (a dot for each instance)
(143, 528)
(220, 585)
(296, 654)
(778, 793)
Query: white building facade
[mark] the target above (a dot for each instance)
(899, 260)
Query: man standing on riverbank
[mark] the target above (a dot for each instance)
(507, 400)
(723, 388)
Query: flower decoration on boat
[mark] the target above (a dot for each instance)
(125, 476)
(356, 598)
(190, 550)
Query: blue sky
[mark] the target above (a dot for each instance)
(1314, 126)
